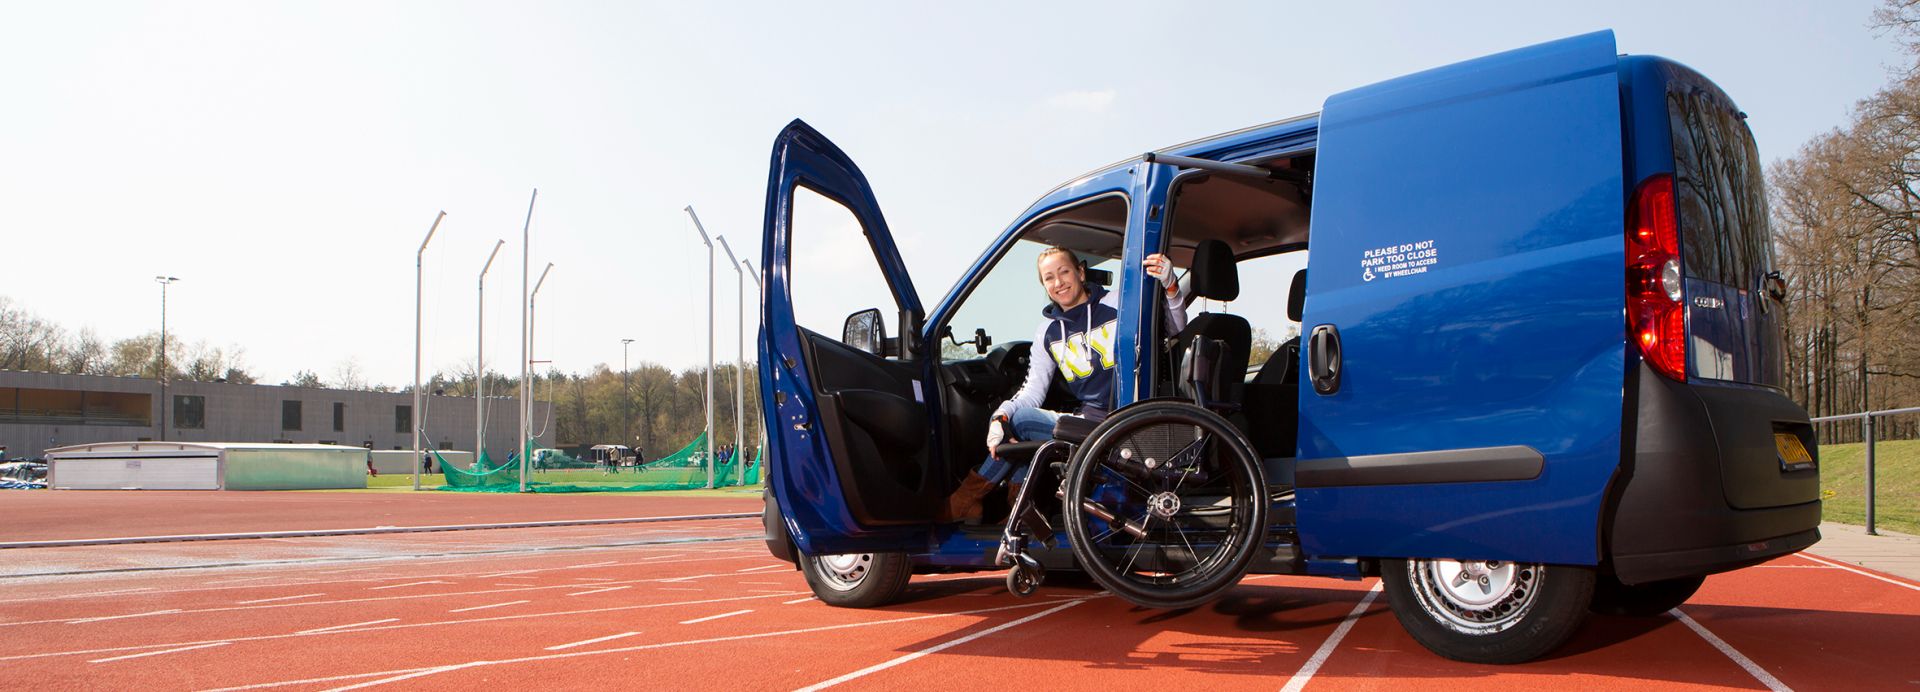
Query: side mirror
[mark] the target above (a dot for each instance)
(865, 331)
(981, 341)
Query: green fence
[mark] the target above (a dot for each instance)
(553, 471)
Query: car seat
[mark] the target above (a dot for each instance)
(1272, 399)
(1211, 353)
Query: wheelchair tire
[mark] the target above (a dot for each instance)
(1175, 484)
(1487, 611)
(857, 580)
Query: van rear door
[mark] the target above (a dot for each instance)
(1462, 375)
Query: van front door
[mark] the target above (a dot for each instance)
(851, 440)
(1461, 396)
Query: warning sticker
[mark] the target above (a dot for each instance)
(1395, 261)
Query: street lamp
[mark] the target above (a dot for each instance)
(480, 363)
(164, 281)
(527, 403)
(763, 414)
(626, 393)
(703, 239)
(740, 355)
(419, 290)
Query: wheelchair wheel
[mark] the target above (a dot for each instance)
(1166, 504)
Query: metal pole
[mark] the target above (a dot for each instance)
(740, 355)
(164, 379)
(480, 363)
(532, 325)
(419, 290)
(763, 422)
(704, 239)
(526, 298)
(626, 393)
(1868, 424)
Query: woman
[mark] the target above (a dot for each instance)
(1077, 337)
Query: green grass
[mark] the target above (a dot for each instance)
(1896, 475)
(403, 482)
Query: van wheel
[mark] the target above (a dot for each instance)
(1487, 611)
(1610, 597)
(857, 580)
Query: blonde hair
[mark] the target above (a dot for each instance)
(1057, 250)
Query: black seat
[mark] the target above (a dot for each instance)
(1211, 353)
(1272, 399)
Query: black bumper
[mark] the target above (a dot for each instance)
(1674, 514)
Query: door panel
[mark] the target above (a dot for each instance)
(1468, 247)
(852, 440)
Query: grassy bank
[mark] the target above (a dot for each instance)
(1896, 478)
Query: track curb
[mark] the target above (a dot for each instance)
(182, 538)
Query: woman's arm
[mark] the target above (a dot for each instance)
(1039, 376)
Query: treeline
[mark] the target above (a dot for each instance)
(654, 408)
(1846, 215)
(30, 342)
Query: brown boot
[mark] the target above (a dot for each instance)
(964, 504)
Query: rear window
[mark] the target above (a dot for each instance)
(1719, 190)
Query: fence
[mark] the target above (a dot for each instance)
(1867, 436)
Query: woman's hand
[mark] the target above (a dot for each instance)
(1160, 267)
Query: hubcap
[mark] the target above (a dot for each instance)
(1475, 597)
(1164, 504)
(844, 572)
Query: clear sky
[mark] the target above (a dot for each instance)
(285, 159)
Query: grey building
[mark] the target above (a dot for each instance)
(39, 411)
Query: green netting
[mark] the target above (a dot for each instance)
(553, 471)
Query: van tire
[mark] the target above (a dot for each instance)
(1522, 612)
(857, 580)
(1610, 597)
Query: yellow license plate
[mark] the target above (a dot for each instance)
(1792, 453)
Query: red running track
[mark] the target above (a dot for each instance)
(658, 612)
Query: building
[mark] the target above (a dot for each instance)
(40, 411)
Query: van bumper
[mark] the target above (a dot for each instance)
(1672, 516)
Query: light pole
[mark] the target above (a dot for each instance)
(626, 393)
(528, 402)
(525, 299)
(419, 290)
(763, 414)
(480, 363)
(703, 239)
(164, 281)
(740, 355)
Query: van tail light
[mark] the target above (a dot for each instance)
(1656, 307)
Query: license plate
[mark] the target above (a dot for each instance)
(1793, 454)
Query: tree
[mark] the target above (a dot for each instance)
(305, 378)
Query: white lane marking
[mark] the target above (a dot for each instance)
(1869, 575)
(1752, 668)
(157, 653)
(318, 630)
(662, 557)
(766, 590)
(434, 623)
(282, 598)
(1320, 655)
(716, 617)
(593, 579)
(595, 640)
(484, 607)
(627, 649)
(122, 617)
(763, 569)
(599, 590)
(937, 648)
(406, 676)
(236, 581)
(797, 600)
(417, 583)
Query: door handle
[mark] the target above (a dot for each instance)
(1323, 359)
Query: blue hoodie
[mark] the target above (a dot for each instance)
(1080, 345)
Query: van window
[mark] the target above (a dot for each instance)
(1719, 189)
(833, 272)
(1264, 283)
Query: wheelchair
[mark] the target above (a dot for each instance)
(1164, 503)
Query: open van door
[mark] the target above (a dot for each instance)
(851, 440)
(1464, 334)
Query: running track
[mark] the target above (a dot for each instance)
(699, 605)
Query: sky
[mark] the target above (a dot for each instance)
(286, 159)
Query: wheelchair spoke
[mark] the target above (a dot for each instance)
(1189, 459)
(1111, 470)
(1137, 544)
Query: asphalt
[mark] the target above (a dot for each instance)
(1891, 552)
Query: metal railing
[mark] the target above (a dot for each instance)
(1866, 434)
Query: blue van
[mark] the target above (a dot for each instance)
(1510, 340)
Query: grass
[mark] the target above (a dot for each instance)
(403, 482)
(1896, 479)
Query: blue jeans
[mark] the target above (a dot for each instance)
(1028, 425)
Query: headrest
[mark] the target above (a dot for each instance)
(1297, 296)
(1213, 275)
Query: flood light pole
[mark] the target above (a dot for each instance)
(419, 291)
(763, 415)
(740, 353)
(480, 363)
(709, 243)
(528, 402)
(626, 393)
(526, 298)
(164, 281)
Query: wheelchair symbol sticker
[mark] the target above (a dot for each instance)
(1366, 274)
